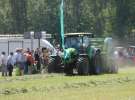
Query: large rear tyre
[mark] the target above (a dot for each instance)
(83, 66)
(69, 68)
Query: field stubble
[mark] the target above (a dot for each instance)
(59, 87)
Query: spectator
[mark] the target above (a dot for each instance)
(23, 61)
(58, 50)
(19, 59)
(10, 64)
(37, 59)
(26, 65)
(30, 62)
(45, 59)
(4, 64)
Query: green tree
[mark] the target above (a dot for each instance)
(122, 14)
(19, 15)
(101, 17)
(5, 17)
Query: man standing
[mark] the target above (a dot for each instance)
(37, 58)
(19, 60)
(4, 64)
(10, 64)
(45, 60)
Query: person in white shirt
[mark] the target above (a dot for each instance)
(10, 64)
(19, 60)
(4, 64)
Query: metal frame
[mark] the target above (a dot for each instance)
(13, 41)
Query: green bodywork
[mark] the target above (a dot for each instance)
(70, 55)
(90, 51)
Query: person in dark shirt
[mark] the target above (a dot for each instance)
(37, 59)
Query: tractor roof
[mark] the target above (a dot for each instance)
(78, 34)
(132, 46)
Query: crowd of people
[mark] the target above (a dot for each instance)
(25, 61)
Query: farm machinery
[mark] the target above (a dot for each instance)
(83, 56)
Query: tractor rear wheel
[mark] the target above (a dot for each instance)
(68, 69)
(83, 66)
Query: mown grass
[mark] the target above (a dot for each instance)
(59, 87)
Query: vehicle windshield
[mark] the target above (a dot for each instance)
(77, 42)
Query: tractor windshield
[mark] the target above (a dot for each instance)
(77, 42)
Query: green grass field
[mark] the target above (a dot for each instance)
(119, 86)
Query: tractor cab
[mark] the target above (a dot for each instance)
(79, 41)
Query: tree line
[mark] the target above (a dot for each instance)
(101, 17)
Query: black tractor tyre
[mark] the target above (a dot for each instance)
(83, 66)
(51, 65)
(91, 66)
(68, 68)
(58, 65)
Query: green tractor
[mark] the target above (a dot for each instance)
(81, 57)
(76, 58)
